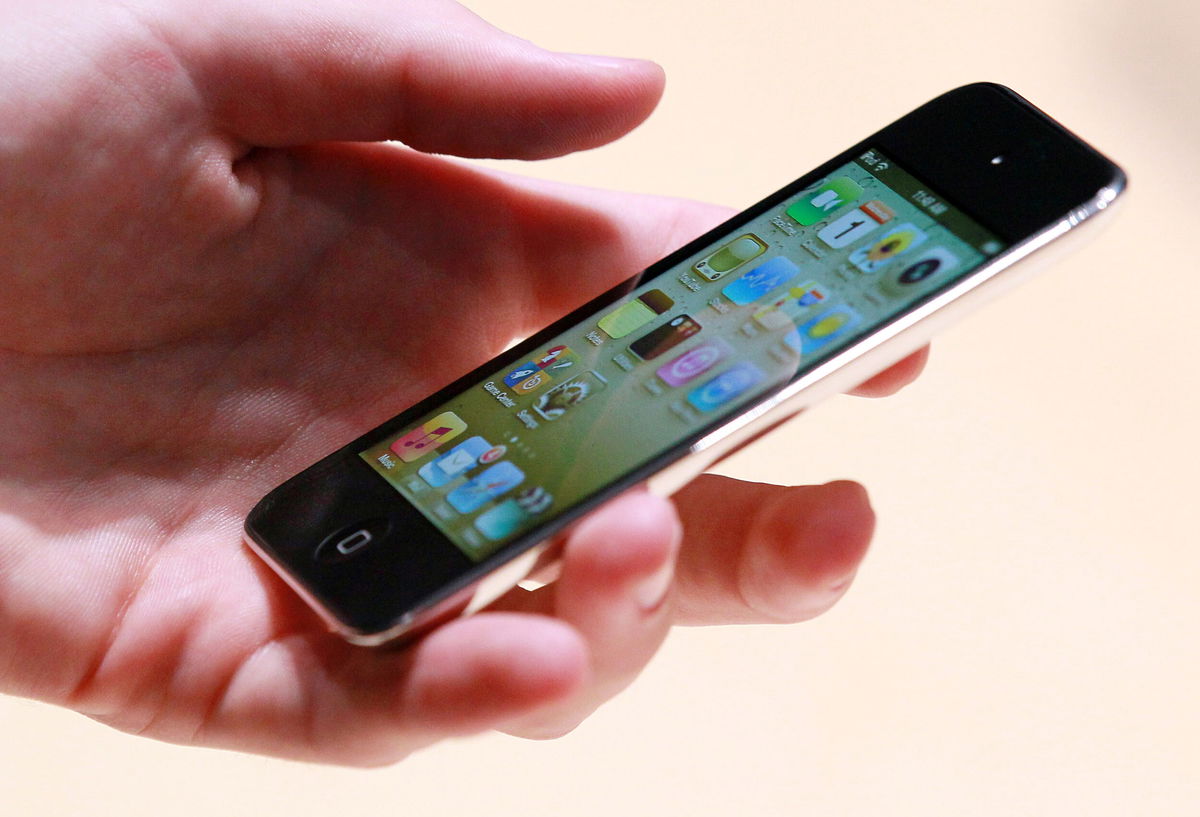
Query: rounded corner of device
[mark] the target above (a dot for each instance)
(364, 638)
(989, 85)
(978, 87)
(250, 523)
(1117, 187)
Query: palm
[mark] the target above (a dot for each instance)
(168, 444)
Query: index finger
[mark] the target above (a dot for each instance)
(894, 377)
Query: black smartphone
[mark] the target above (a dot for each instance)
(811, 291)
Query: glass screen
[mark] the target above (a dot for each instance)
(683, 351)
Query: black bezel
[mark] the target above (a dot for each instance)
(948, 143)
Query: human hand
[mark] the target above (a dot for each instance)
(212, 278)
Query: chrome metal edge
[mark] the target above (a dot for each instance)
(312, 601)
(468, 600)
(881, 349)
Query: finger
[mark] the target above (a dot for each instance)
(535, 250)
(766, 553)
(498, 666)
(618, 233)
(895, 377)
(614, 590)
(308, 697)
(430, 74)
(579, 242)
(649, 228)
(643, 230)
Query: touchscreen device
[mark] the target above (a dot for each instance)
(813, 289)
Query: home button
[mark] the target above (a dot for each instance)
(351, 540)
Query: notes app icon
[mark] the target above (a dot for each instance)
(428, 436)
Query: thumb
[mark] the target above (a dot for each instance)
(430, 74)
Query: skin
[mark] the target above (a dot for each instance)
(213, 274)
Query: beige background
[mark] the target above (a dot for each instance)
(1024, 637)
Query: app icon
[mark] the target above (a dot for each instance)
(927, 267)
(522, 372)
(635, 314)
(556, 358)
(761, 280)
(825, 201)
(894, 242)
(791, 342)
(878, 211)
(501, 521)
(787, 309)
(511, 515)
(826, 328)
(534, 500)
(493, 454)
(694, 362)
(847, 229)
(855, 224)
(565, 396)
(533, 375)
(428, 436)
(458, 460)
(731, 256)
(725, 386)
(489, 484)
(532, 383)
(661, 340)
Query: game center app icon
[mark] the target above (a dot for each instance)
(428, 436)
(555, 363)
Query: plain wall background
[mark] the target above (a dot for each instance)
(1024, 637)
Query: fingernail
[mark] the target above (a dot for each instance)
(652, 591)
(610, 63)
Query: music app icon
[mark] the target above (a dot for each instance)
(428, 436)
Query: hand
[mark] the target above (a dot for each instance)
(211, 278)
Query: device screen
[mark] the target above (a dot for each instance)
(687, 348)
